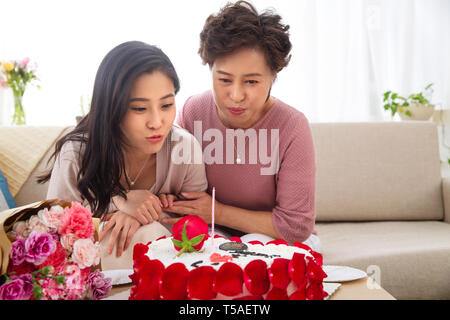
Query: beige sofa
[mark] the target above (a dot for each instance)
(380, 204)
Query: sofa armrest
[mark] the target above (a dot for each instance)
(446, 198)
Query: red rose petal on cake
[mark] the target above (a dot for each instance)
(200, 283)
(318, 257)
(229, 279)
(315, 291)
(148, 281)
(302, 246)
(277, 294)
(297, 269)
(277, 242)
(256, 242)
(279, 273)
(139, 250)
(163, 237)
(314, 271)
(235, 239)
(250, 297)
(218, 236)
(298, 295)
(255, 277)
(174, 282)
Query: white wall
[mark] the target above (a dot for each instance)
(329, 78)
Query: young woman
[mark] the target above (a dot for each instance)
(245, 51)
(118, 158)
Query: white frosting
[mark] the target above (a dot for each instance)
(164, 251)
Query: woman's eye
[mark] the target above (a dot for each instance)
(166, 106)
(138, 109)
(225, 80)
(252, 81)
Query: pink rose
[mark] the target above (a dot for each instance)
(77, 220)
(86, 253)
(51, 218)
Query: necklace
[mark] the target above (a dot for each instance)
(238, 157)
(132, 182)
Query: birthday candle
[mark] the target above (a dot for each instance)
(212, 218)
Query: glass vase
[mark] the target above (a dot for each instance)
(19, 114)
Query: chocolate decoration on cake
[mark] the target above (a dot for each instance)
(196, 263)
(232, 245)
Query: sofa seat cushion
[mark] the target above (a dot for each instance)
(413, 257)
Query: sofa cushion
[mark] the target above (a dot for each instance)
(6, 199)
(31, 191)
(413, 257)
(377, 171)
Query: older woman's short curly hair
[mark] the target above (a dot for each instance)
(239, 26)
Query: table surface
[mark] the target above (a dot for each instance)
(362, 289)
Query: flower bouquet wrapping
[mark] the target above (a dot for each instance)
(50, 252)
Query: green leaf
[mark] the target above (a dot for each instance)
(408, 113)
(386, 106)
(394, 96)
(196, 240)
(184, 232)
(428, 86)
(386, 95)
(60, 279)
(177, 243)
(46, 270)
(37, 292)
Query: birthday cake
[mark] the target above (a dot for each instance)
(192, 265)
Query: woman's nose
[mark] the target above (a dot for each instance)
(154, 120)
(237, 93)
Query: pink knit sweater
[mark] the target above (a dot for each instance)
(288, 192)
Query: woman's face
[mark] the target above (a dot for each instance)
(151, 112)
(241, 85)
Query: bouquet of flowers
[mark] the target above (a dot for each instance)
(53, 256)
(16, 75)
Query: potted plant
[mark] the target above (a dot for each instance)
(415, 107)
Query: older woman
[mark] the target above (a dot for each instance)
(264, 182)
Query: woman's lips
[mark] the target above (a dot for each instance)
(236, 111)
(155, 138)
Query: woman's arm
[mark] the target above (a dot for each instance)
(248, 221)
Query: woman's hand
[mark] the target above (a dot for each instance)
(123, 226)
(197, 203)
(140, 204)
(167, 200)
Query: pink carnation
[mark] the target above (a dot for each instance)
(51, 218)
(75, 282)
(68, 240)
(51, 290)
(86, 253)
(77, 220)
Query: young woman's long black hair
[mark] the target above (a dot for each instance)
(102, 161)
